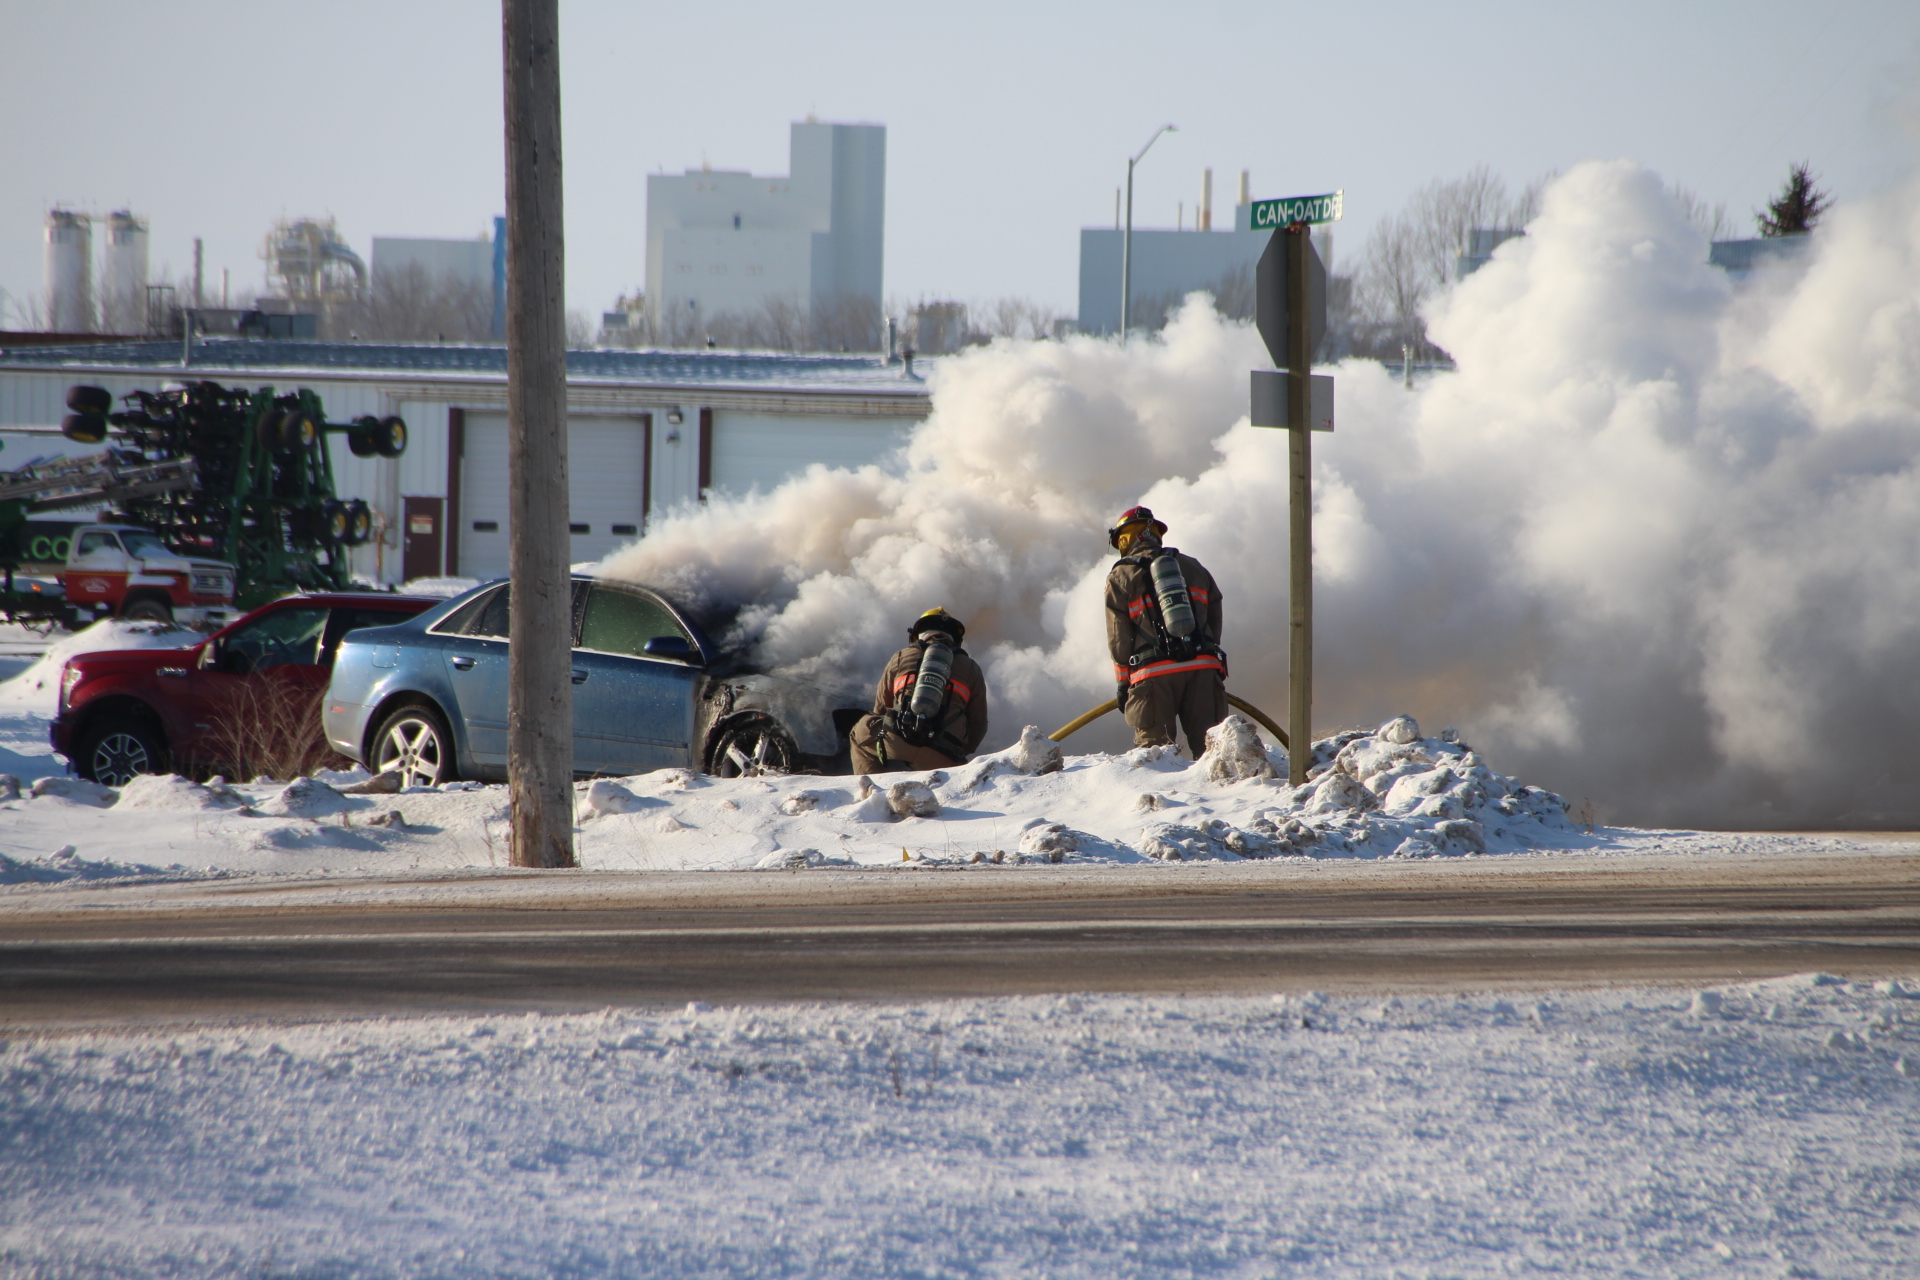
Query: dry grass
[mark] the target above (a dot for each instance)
(273, 731)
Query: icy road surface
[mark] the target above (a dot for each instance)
(1763, 1130)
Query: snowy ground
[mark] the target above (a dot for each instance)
(1766, 1130)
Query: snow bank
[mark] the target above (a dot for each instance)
(1763, 1130)
(37, 689)
(1649, 544)
(1388, 793)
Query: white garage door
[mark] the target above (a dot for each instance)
(759, 450)
(607, 483)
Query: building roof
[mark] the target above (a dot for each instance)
(733, 370)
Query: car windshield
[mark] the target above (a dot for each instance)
(143, 545)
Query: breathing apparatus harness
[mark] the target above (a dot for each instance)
(921, 716)
(1169, 613)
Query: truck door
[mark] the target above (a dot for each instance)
(256, 696)
(97, 569)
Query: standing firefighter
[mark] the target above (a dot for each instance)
(930, 711)
(1163, 630)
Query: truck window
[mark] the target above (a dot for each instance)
(96, 542)
(142, 544)
(286, 637)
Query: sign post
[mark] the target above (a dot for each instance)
(1291, 311)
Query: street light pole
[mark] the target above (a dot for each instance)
(1126, 237)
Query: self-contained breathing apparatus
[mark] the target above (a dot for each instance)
(1170, 616)
(921, 716)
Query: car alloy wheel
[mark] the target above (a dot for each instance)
(414, 743)
(751, 747)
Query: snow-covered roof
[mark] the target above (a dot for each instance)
(865, 374)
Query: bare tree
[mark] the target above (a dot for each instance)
(1711, 220)
(412, 304)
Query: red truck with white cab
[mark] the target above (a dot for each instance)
(122, 571)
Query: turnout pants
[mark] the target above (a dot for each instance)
(878, 748)
(1197, 699)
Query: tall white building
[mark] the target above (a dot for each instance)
(728, 243)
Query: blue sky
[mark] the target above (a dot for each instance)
(1008, 124)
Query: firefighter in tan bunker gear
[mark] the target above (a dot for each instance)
(930, 711)
(1163, 631)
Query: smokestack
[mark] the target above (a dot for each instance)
(197, 257)
(1206, 201)
(1116, 208)
(224, 304)
(1246, 187)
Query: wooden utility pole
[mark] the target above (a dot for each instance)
(1299, 245)
(540, 626)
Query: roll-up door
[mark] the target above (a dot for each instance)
(607, 487)
(759, 450)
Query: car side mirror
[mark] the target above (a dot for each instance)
(675, 647)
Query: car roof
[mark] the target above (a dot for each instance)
(359, 597)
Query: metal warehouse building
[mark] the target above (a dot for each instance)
(648, 430)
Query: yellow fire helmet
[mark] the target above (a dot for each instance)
(937, 619)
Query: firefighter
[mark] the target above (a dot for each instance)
(1163, 631)
(930, 711)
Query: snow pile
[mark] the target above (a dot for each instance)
(1754, 1130)
(1651, 541)
(37, 689)
(1387, 793)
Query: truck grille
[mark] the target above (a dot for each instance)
(212, 582)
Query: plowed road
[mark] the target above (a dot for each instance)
(571, 940)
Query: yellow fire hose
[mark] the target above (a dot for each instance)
(1061, 734)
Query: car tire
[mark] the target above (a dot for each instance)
(147, 609)
(750, 746)
(115, 748)
(414, 739)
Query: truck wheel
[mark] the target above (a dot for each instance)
(116, 748)
(390, 441)
(97, 401)
(84, 428)
(147, 609)
(414, 740)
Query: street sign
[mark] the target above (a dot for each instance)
(1271, 293)
(1268, 214)
(1271, 404)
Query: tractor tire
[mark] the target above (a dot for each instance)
(359, 523)
(297, 432)
(362, 444)
(390, 441)
(84, 428)
(334, 522)
(97, 401)
(116, 748)
(147, 609)
(269, 430)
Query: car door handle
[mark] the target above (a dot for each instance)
(462, 664)
(579, 676)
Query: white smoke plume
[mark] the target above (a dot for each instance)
(1655, 543)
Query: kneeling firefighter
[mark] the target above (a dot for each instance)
(1163, 630)
(930, 711)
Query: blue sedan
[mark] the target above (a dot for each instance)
(428, 698)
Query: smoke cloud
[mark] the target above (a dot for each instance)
(1656, 543)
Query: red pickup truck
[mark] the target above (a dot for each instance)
(246, 700)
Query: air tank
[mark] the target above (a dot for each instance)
(69, 272)
(123, 274)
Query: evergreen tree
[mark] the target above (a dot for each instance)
(1797, 208)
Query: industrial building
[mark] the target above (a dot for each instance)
(648, 431)
(1167, 265)
(729, 243)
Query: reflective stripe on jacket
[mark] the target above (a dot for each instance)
(1130, 631)
(966, 703)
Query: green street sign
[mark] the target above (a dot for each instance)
(1269, 214)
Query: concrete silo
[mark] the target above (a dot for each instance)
(69, 272)
(123, 274)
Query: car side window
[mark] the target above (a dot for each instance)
(622, 622)
(285, 637)
(486, 616)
